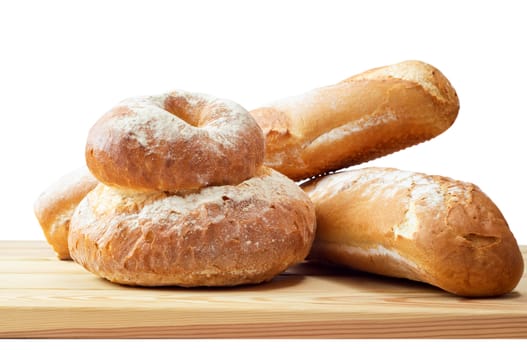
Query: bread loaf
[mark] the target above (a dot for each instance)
(184, 199)
(176, 141)
(55, 206)
(433, 229)
(361, 118)
(217, 236)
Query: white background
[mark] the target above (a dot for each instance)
(64, 63)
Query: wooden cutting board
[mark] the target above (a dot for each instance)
(41, 296)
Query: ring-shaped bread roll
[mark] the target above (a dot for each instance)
(174, 142)
(218, 236)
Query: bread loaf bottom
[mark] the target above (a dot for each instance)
(426, 228)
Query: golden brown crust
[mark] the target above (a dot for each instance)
(55, 206)
(223, 235)
(361, 118)
(173, 142)
(428, 228)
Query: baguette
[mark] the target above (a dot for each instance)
(369, 115)
(55, 206)
(426, 228)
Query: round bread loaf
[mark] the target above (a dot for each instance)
(216, 236)
(175, 141)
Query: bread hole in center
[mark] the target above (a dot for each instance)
(182, 109)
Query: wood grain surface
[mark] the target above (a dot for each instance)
(42, 297)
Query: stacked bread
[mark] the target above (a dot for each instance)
(180, 196)
(387, 221)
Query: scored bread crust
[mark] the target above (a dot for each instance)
(55, 206)
(369, 115)
(433, 229)
(218, 236)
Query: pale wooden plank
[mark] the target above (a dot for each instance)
(275, 327)
(25, 250)
(286, 301)
(38, 265)
(318, 294)
(41, 296)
